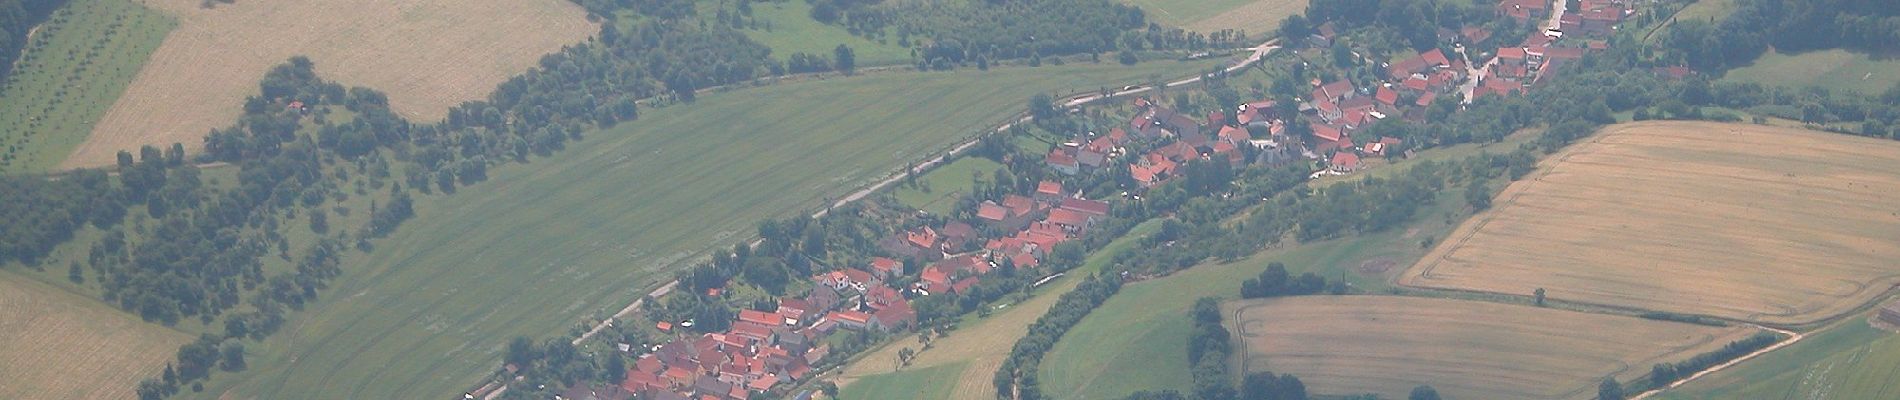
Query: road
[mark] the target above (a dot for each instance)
(1792, 338)
(1256, 54)
(1472, 73)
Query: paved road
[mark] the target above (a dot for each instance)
(1257, 53)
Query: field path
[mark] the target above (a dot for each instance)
(1792, 338)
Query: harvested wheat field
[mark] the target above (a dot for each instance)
(59, 345)
(1766, 224)
(1385, 345)
(427, 55)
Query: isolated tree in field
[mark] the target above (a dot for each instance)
(1610, 389)
(1423, 392)
(1539, 295)
(846, 59)
(521, 352)
(75, 274)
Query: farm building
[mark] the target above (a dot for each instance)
(1891, 313)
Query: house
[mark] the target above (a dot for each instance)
(1010, 216)
(934, 278)
(1049, 191)
(1426, 99)
(1523, 10)
(1345, 161)
(1421, 63)
(592, 392)
(1599, 19)
(1335, 91)
(896, 317)
(886, 267)
(1386, 96)
(1182, 126)
(1074, 222)
(1062, 161)
(1326, 132)
(761, 318)
(956, 235)
(1512, 63)
(851, 319)
(1090, 207)
(922, 238)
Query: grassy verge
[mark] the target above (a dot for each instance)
(75, 67)
(572, 238)
(1850, 360)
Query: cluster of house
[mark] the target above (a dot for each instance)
(764, 349)
(1208, 138)
(1037, 224)
(1539, 56)
(760, 350)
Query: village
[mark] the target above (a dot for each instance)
(770, 351)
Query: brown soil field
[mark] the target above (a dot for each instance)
(1386, 345)
(59, 345)
(427, 55)
(1765, 224)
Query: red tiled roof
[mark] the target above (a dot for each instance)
(991, 211)
(1337, 89)
(923, 237)
(935, 277)
(1232, 134)
(1387, 96)
(760, 317)
(1091, 207)
(851, 316)
(1416, 83)
(1024, 260)
(1059, 157)
(1426, 100)
(1049, 188)
(1328, 132)
(1516, 53)
(884, 265)
(963, 285)
(1067, 217)
(1346, 160)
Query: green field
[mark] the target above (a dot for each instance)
(1257, 17)
(1707, 10)
(1835, 70)
(1138, 339)
(939, 189)
(74, 68)
(921, 383)
(544, 246)
(793, 31)
(1849, 361)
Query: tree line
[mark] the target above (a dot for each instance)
(1017, 378)
(1790, 26)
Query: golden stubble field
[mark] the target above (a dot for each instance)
(1466, 349)
(1766, 224)
(427, 55)
(60, 345)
